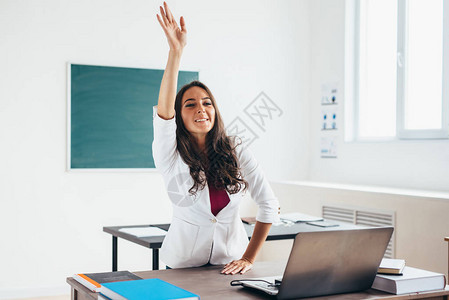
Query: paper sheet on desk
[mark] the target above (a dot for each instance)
(299, 217)
(144, 231)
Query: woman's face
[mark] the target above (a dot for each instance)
(197, 111)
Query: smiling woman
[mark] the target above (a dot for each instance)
(206, 173)
(202, 141)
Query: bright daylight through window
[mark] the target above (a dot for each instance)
(401, 62)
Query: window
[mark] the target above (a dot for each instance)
(401, 69)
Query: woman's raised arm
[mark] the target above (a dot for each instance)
(177, 39)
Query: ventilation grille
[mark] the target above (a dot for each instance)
(363, 217)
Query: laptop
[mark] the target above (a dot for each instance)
(328, 262)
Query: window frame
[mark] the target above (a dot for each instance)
(353, 24)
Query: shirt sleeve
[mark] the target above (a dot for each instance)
(258, 186)
(164, 143)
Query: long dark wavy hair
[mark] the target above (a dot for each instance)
(218, 162)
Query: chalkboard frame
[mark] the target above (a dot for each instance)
(69, 167)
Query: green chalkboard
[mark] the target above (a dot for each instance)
(111, 115)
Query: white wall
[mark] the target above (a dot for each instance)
(51, 220)
(404, 164)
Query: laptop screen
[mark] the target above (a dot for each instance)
(333, 262)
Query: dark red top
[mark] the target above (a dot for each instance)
(218, 199)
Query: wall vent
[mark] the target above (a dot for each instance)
(363, 216)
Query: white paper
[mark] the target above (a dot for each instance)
(329, 147)
(144, 231)
(299, 217)
(329, 93)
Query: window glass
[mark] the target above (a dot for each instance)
(424, 64)
(377, 68)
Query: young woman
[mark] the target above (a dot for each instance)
(206, 173)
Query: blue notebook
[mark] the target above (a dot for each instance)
(148, 289)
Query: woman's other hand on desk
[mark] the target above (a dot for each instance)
(237, 266)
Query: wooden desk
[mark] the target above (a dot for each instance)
(279, 232)
(208, 283)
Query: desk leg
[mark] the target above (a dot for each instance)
(155, 259)
(114, 253)
(73, 294)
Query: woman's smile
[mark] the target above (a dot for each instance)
(202, 121)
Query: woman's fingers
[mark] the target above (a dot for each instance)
(232, 269)
(160, 21)
(228, 267)
(237, 266)
(183, 24)
(168, 18)
(245, 269)
(164, 16)
(168, 11)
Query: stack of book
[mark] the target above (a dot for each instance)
(94, 281)
(391, 266)
(396, 278)
(126, 285)
(145, 289)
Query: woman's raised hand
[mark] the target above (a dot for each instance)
(176, 37)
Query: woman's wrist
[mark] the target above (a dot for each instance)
(176, 52)
(251, 261)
